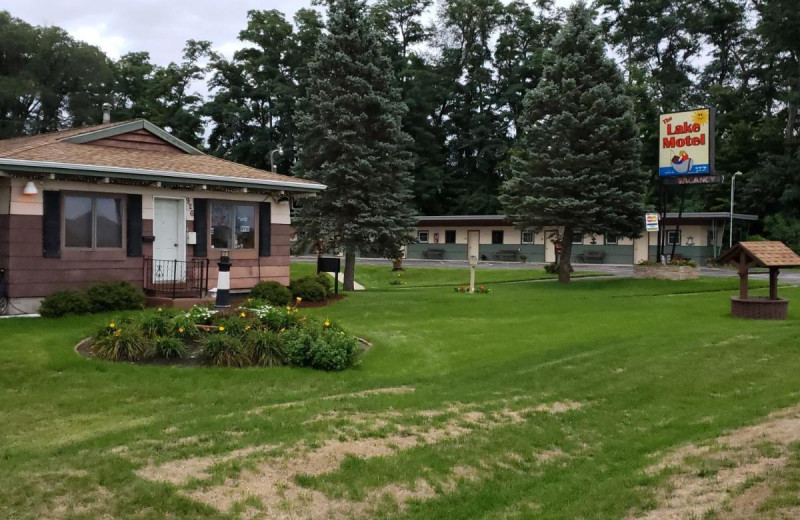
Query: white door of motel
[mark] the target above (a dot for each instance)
(170, 240)
(549, 246)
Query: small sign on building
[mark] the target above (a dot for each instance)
(651, 222)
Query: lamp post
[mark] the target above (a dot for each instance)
(733, 187)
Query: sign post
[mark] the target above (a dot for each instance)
(330, 265)
(651, 222)
(473, 263)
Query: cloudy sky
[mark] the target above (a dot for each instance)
(158, 26)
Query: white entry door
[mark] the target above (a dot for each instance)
(549, 246)
(170, 243)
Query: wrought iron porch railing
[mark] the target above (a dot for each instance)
(176, 278)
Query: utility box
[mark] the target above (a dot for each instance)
(191, 238)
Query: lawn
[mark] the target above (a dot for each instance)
(534, 401)
(382, 277)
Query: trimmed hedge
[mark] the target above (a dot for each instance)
(109, 296)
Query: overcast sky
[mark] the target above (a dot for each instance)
(157, 26)
(160, 27)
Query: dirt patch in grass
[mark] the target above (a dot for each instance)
(731, 477)
(351, 395)
(273, 482)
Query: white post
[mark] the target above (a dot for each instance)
(473, 262)
(733, 186)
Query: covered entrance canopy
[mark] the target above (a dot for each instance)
(772, 255)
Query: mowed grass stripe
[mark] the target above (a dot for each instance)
(648, 371)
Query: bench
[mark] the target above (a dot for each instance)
(507, 255)
(588, 257)
(434, 254)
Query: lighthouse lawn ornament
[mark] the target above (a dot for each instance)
(224, 281)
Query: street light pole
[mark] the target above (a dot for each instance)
(733, 186)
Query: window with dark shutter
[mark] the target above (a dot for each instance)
(134, 225)
(51, 225)
(264, 229)
(201, 227)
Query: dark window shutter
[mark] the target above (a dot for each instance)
(264, 228)
(201, 227)
(51, 225)
(134, 220)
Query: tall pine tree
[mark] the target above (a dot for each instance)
(351, 140)
(577, 165)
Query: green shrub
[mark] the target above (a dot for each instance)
(223, 350)
(326, 282)
(299, 343)
(154, 323)
(123, 342)
(184, 327)
(334, 350)
(64, 302)
(551, 268)
(170, 347)
(308, 288)
(115, 296)
(235, 322)
(271, 292)
(265, 348)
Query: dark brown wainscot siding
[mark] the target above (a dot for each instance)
(245, 264)
(30, 275)
(138, 140)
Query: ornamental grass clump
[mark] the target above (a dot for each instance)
(170, 348)
(265, 348)
(123, 342)
(223, 350)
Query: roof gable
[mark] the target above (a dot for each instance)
(113, 136)
(763, 254)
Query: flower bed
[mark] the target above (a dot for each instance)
(253, 334)
(666, 272)
(481, 289)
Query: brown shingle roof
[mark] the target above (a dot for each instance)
(53, 147)
(765, 254)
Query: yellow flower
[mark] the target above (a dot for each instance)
(327, 323)
(221, 328)
(118, 332)
(299, 299)
(247, 327)
(288, 308)
(181, 330)
(111, 325)
(158, 310)
(249, 299)
(283, 329)
(243, 315)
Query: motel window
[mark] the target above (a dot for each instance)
(673, 238)
(92, 222)
(577, 237)
(233, 226)
(527, 236)
(612, 239)
(422, 237)
(450, 236)
(497, 236)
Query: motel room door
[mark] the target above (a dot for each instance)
(549, 246)
(169, 248)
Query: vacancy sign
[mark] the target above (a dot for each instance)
(651, 222)
(686, 143)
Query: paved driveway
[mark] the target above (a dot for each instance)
(624, 271)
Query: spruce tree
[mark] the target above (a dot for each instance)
(577, 162)
(351, 140)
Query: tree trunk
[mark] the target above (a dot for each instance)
(349, 269)
(565, 260)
